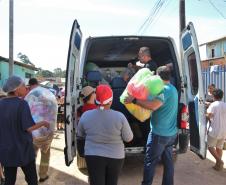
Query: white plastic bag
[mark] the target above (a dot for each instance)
(43, 106)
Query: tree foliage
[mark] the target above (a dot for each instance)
(58, 72)
(24, 58)
(44, 73)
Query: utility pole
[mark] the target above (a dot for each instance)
(184, 136)
(182, 15)
(11, 61)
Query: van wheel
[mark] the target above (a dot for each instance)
(81, 163)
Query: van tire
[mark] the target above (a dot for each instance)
(81, 163)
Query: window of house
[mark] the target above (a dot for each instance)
(224, 48)
(212, 53)
(28, 75)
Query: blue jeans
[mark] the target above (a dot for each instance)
(159, 147)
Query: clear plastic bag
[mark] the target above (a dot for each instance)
(43, 106)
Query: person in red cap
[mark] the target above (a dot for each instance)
(104, 131)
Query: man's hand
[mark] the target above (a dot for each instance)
(46, 124)
(128, 99)
(38, 125)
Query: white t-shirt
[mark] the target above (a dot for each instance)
(218, 122)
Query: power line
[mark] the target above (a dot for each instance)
(153, 14)
(150, 15)
(156, 15)
(167, 4)
(150, 21)
(217, 9)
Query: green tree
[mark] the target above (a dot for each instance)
(58, 72)
(47, 73)
(64, 74)
(24, 58)
(44, 73)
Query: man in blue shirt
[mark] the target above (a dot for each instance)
(163, 130)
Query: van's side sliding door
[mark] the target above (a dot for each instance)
(70, 93)
(191, 65)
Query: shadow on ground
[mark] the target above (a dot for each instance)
(189, 170)
(56, 177)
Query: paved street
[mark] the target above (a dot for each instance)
(189, 170)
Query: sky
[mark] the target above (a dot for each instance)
(42, 27)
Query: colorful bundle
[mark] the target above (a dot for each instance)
(141, 86)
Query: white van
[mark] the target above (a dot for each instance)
(111, 55)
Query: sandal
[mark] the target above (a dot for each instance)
(219, 166)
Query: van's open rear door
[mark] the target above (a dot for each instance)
(70, 93)
(191, 65)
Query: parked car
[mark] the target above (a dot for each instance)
(109, 56)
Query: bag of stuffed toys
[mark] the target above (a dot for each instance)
(142, 86)
(43, 106)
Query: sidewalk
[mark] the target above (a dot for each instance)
(59, 173)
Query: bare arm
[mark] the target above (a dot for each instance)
(38, 125)
(152, 105)
(209, 115)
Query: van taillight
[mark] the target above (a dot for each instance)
(184, 118)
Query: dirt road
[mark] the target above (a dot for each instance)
(189, 170)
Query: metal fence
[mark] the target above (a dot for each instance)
(215, 75)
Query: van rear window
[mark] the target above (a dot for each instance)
(77, 41)
(186, 41)
(193, 71)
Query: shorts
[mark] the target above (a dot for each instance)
(214, 142)
(60, 118)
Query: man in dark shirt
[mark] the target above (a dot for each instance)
(16, 125)
(144, 56)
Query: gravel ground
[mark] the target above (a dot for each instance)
(189, 170)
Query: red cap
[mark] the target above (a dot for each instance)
(104, 94)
